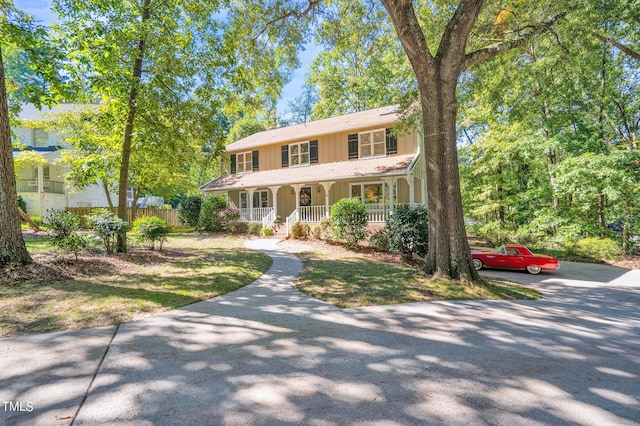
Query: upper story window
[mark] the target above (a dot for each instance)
(244, 162)
(40, 138)
(299, 154)
(372, 143)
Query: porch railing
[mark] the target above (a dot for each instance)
(290, 219)
(31, 185)
(379, 212)
(258, 214)
(269, 219)
(311, 213)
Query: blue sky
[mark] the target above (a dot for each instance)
(41, 10)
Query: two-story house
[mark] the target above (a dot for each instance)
(43, 186)
(299, 172)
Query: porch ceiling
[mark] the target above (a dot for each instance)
(353, 169)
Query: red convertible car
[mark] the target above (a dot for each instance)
(513, 257)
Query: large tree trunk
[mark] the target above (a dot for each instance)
(437, 76)
(449, 255)
(128, 132)
(12, 247)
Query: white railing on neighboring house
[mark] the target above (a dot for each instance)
(269, 219)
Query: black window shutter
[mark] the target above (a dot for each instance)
(353, 146)
(392, 143)
(285, 155)
(233, 164)
(313, 152)
(254, 158)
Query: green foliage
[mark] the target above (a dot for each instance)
(350, 219)
(63, 232)
(189, 210)
(379, 240)
(408, 230)
(106, 227)
(238, 227)
(266, 232)
(494, 233)
(151, 231)
(597, 248)
(22, 203)
(316, 232)
(210, 219)
(299, 230)
(254, 228)
(326, 226)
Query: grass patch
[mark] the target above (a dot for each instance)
(352, 280)
(99, 290)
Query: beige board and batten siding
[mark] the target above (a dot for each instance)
(331, 148)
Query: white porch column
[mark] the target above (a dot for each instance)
(390, 183)
(274, 195)
(411, 181)
(327, 188)
(250, 192)
(296, 192)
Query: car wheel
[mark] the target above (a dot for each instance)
(477, 264)
(534, 270)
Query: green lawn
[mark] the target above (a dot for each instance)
(102, 290)
(352, 279)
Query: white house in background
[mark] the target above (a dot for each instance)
(43, 187)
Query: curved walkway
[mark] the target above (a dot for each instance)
(267, 354)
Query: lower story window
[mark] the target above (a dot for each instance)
(369, 193)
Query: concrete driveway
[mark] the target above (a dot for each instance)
(267, 354)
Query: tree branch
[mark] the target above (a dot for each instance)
(489, 52)
(454, 38)
(626, 49)
(292, 14)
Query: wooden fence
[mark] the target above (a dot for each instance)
(169, 215)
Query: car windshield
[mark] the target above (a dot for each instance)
(500, 250)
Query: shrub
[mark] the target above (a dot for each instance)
(350, 219)
(408, 230)
(210, 219)
(597, 248)
(316, 232)
(189, 210)
(494, 233)
(151, 230)
(266, 232)
(254, 228)
(237, 227)
(63, 232)
(530, 237)
(326, 226)
(22, 203)
(106, 227)
(278, 219)
(229, 214)
(299, 230)
(380, 241)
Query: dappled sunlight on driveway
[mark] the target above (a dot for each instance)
(267, 354)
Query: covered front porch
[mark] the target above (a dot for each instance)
(310, 202)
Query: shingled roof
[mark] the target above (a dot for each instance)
(371, 167)
(384, 116)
